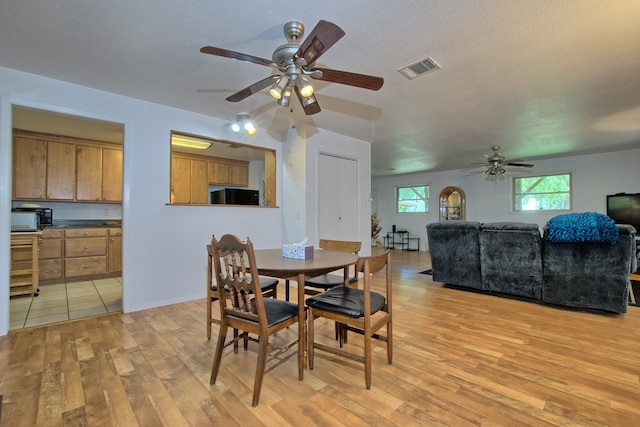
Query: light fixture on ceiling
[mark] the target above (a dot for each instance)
(278, 88)
(189, 142)
(308, 100)
(283, 88)
(244, 124)
(495, 169)
(286, 96)
(306, 90)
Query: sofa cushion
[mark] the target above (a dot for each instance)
(511, 260)
(454, 248)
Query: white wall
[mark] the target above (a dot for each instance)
(300, 176)
(349, 148)
(163, 246)
(594, 177)
(164, 258)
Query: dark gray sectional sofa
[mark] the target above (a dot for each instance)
(511, 258)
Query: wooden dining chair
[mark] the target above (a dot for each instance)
(358, 310)
(269, 287)
(321, 283)
(246, 309)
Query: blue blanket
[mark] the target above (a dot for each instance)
(582, 227)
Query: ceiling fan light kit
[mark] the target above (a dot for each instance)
(296, 63)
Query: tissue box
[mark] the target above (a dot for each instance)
(297, 251)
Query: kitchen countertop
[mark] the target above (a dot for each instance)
(85, 223)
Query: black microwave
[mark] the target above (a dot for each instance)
(235, 196)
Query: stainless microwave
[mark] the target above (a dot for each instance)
(25, 221)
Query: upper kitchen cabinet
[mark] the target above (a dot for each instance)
(99, 173)
(47, 167)
(189, 183)
(29, 168)
(198, 162)
(61, 171)
(112, 174)
(89, 172)
(228, 172)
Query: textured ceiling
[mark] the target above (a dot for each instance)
(542, 78)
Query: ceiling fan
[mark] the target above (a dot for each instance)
(295, 63)
(496, 162)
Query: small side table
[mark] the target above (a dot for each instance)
(402, 240)
(636, 278)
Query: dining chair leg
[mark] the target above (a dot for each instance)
(235, 341)
(209, 313)
(218, 354)
(263, 346)
(302, 328)
(367, 360)
(310, 337)
(389, 343)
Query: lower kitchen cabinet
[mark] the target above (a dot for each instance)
(85, 252)
(114, 251)
(64, 254)
(50, 255)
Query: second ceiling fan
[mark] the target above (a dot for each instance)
(295, 63)
(496, 162)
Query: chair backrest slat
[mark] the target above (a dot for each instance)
(340, 245)
(236, 271)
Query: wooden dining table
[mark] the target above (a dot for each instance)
(271, 263)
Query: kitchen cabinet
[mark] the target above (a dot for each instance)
(189, 179)
(112, 175)
(192, 174)
(47, 167)
(61, 171)
(99, 174)
(50, 255)
(23, 274)
(228, 172)
(89, 172)
(29, 168)
(85, 252)
(114, 251)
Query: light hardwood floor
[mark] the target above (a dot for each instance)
(460, 359)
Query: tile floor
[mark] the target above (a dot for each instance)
(66, 301)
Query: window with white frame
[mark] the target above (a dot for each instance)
(542, 193)
(412, 199)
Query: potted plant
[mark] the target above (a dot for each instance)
(375, 228)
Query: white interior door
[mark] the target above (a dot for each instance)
(337, 198)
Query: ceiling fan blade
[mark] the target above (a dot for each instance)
(237, 55)
(524, 165)
(254, 88)
(309, 108)
(324, 35)
(352, 79)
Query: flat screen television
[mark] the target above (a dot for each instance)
(624, 209)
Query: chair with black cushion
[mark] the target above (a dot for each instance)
(246, 309)
(268, 285)
(359, 310)
(327, 281)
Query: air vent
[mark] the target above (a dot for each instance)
(419, 68)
